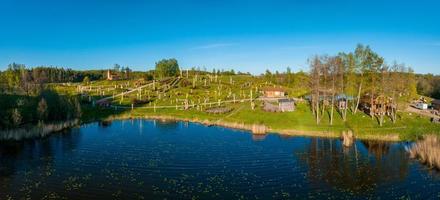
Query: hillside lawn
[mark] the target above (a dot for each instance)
(408, 126)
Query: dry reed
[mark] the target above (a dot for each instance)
(40, 130)
(427, 151)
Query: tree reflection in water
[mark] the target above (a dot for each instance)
(358, 169)
(34, 154)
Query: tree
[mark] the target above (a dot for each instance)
(42, 110)
(116, 67)
(167, 68)
(289, 75)
(86, 80)
(315, 75)
(127, 71)
(16, 117)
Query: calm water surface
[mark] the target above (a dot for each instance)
(142, 159)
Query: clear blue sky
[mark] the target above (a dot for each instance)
(249, 35)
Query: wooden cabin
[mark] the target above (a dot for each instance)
(112, 76)
(381, 105)
(274, 92)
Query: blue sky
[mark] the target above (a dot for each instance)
(249, 35)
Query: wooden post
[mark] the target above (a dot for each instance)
(154, 107)
(252, 102)
(132, 107)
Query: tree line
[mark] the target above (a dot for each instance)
(428, 85)
(17, 78)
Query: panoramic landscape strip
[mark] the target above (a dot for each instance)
(230, 99)
(350, 92)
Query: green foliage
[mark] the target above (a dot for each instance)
(48, 106)
(428, 85)
(167, 68)
(86, 80)
(42, 110)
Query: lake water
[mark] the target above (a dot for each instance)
(143, 159)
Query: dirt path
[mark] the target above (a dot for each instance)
(425, 113)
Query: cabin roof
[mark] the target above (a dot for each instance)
(285, 101)
(274, 89)
(344, 96)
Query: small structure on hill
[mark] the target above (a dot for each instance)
(286, 105)
(104, 103)
(112, 76)
(381, 105)
(274, 92)
(342, 101)
(421, 105)
(436, 104)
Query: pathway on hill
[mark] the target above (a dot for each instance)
(173, 82)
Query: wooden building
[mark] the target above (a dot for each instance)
(381, 105)
(112, 76)
(274, 92)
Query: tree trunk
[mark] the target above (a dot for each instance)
(317, 111)
(332, 105)
(381, 119)
(358, 98)
(344, 115)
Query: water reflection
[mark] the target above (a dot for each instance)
(353, 169)
(166, 126)
(377, 148)
(105, 123)
(32, 153)
(134, 159)
(258, 137)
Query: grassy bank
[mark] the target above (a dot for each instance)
(224, 89)
(299, 122)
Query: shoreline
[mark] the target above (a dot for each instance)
(255, 129)
(259, 129)
(36, 131)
